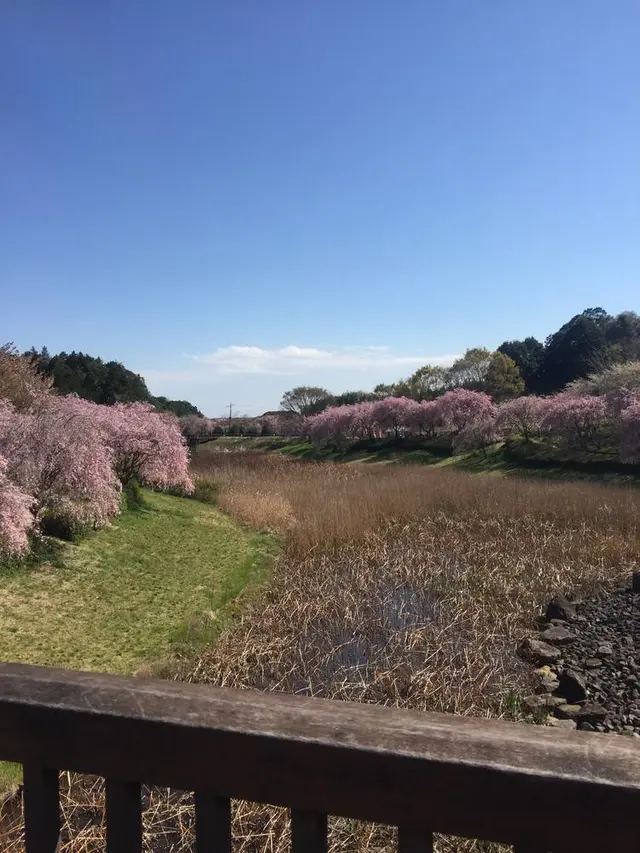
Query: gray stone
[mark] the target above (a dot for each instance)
(605, 649)
(593, 663)
(560, 608)
(561, 724)
(572, 686)
(532, 703)
(547, 680)
(557, 635)
(542, 700)
(568, 712)
(539, 651)
(591, 712)
(555, 701)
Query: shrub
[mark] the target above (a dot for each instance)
(206, 489)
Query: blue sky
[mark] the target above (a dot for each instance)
(233, 198)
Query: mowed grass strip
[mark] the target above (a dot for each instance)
(138, 592)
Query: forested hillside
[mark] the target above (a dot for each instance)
(104, 382)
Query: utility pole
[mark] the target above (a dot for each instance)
(230, 411)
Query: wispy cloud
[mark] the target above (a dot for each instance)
(295, 360)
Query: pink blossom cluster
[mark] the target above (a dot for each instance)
(16, 517)
(70, 457)
(146, 445)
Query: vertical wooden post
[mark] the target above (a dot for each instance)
(213, 823)
(412, 840)
(308, 832)
(124, 817)
(41, 803)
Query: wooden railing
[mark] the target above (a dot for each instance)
(537, 788)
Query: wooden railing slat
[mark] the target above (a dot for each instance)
(213, 823)
(41, 803)
(308, 831)
(412, 840)
(124, 817)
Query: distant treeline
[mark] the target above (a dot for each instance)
(587, 344)
(105, 382)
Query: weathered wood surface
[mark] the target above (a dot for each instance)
(480, 778)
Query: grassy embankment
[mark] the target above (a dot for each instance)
(150, 590)
(534, 460)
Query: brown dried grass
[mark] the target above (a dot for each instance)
(403, 586)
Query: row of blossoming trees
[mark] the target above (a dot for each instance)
(68, 458)
(474, 422)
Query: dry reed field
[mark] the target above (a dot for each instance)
(399, 585)
(409, 586)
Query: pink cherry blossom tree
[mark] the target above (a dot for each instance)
(392, 413)
(477, 435)
(364, 423)
(422, 418)
(56, 454)
(577, 421)
(460, 407)
(621, 399)
(630, 433)
(522, 416)
(146, 445)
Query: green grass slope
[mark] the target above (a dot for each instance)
(137, 592)
(513, 459)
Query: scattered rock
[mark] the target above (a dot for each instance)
(532, 703)
(558, 635)
(597, 674)
(560, 608)
(568, 712)
(561, 724)
(539, 651)
(592, 712)
(542, 700)
(547, 679)
(572, 686)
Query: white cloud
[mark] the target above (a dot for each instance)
(294, 360)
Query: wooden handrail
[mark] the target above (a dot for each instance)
(536, 787)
